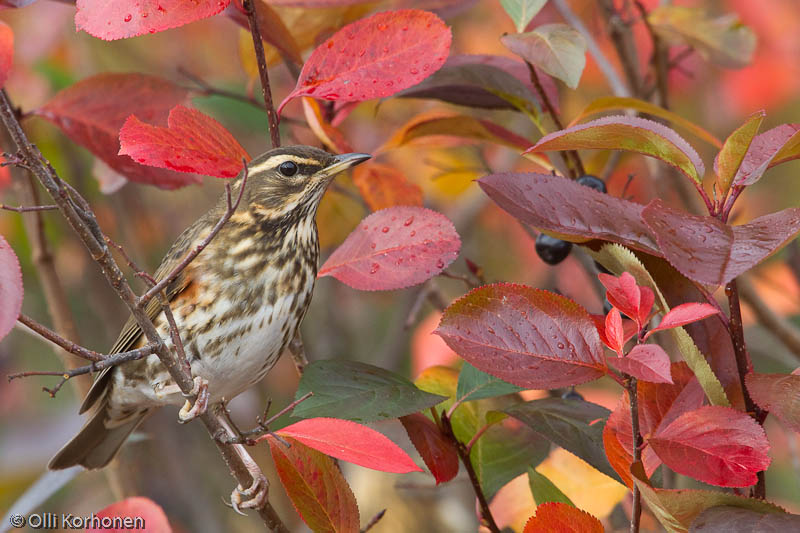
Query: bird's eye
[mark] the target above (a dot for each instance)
(288, 168)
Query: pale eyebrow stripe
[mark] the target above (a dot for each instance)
(278, 159)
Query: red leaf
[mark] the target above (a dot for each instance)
(628, 133)
(648, 362)
(316, 486)
(375, 57)
(394, 248)
(529, 337)
(192, 142)
(707, 251)
(624, 294)
(659, 404)
(118, 19)
(10, 288)
(614, 332)
(557, 517)
(767, 150)
(716, 445)
(559, 205)
(92, 111)
(777, 393)
(384, 186)
(439, 453)
(6, 51)
(351, 442)
(151, 515)
(684, 314)
(629, 329)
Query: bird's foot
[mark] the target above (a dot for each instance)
(189, 412)
(253, 497)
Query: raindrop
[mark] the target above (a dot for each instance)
(440, 264)
(375, 267)
(414, 71)
(145, 15)
(382, 26)
(490, 330)
(330, 44)
(373, 245)
(412, 233)
(128, 17)
(408, 221)
(385, 229)
(560, 345)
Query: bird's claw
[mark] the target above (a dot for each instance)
(189, 412)
(253, 497)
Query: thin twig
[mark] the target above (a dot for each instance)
(189, 257)
(777, 325)
(373, 521)
(660, 59)
(240, 464)
(29, 209)
(258, 44)
(107, 362)
(622, 37)
(249, 437)
(636, 510)
(58, 340)
(463, 454)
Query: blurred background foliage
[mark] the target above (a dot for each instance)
(177, 466)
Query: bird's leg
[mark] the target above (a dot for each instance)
(254, 496)
(189, 412)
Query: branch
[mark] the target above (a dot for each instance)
(660, 59)
(636, 509)
(614, 81)
(373, 521)
(249, 437)
(622, 37)
(463, 454)
(107, 362)
(777, 325)
(58, 340)
(258, 44)
(21, 209)
(84, 223)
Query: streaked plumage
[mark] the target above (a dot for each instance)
(237, 305)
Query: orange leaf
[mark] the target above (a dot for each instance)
(555, 517)
(383, 186)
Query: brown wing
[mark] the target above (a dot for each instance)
(131, 333)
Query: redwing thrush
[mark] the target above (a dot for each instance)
(237, 305)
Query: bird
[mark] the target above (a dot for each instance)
(237, 305)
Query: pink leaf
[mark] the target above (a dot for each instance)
(779, 394)
(733, 152)
(716, 445)
(624, 294)
(648, 362)
(438, 452)
(684, 314)
(394, 248)
(559, 205)
(119, 19)
(629, 329)
(192, 142)
(529, 337)
(351, 442)
(707, 251)
(772, 147)
(375, 57)
(10, 288)
(92, 111)
(6, 51)
(614, 332)
(631, 134)
(316, 486)
(149, 514)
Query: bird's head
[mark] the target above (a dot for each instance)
(292, 179)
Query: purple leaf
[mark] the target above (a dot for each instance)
(529, 337)
(707, 251)
(559, 205)
(771, 148)
(648, 362)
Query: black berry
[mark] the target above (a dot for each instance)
(593, 182)
(552, 250)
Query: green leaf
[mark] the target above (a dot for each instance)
(611, 103)
(544, 490)
(722, 40)
(475, 385)
(730, 157)
(575, 425)
(358, 392)
(632, 134)
(522, 11)
(555, 48)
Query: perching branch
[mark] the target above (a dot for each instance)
(636, 509)
(249, 437)
(258, 44)
(78, 214)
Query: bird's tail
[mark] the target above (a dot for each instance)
(98, 440)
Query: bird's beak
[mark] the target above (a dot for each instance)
(344, 161)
